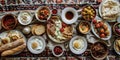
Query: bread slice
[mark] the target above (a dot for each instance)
(39, 30)
(33, 28)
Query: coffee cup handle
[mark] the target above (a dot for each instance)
(78, 12)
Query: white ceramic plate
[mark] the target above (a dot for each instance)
(36, 14)
(36, 51)
(115, 48)
(78, 51)
(53, 39)
(93, 30)
(4, 34)
(29, 18)
(100, 9)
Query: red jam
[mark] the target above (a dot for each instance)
(54, 11)
(58, 50)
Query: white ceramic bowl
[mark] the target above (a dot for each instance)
(109, 27)
(36, 13)
(54, 52)
(28, 17)
(75, 15)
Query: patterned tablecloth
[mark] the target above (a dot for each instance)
(47, 54)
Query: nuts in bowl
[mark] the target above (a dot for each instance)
(88, 13)
(43, 13)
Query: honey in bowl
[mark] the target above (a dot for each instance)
(69, 15)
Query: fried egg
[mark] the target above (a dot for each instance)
(78, 44)
(36, 44)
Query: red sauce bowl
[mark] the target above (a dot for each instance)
(54, 11)
(9, 21)
(57, 51)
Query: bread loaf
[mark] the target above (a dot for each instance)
(11, 45)
(14, 50)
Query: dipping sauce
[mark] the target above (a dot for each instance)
(69, 15)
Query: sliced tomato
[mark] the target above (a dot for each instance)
(62, 29)
(63, 24)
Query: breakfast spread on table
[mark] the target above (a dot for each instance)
(60, 30)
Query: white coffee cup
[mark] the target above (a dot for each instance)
(74, 18)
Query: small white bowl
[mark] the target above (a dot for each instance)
(29, 18)
(36, 13)
(75, 15)
(54, 52)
